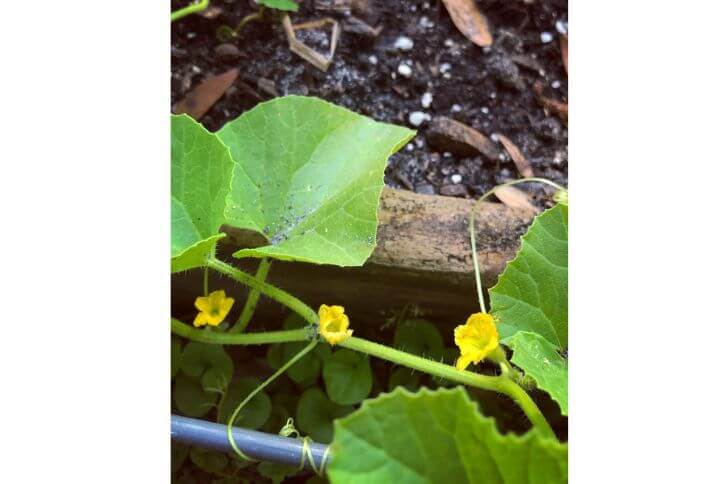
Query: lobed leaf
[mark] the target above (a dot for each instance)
(437, 436)
(532, 292)
(542, 361)
(308, 176)
(201, 174)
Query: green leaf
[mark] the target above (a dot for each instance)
(201, 174)
(532, 292)
(304, 371)
(198, 358)
(191, 399)
(542, 361)
(405, 377)
(276, 473)
(286, 5)
(176, 352)
(419, 337)
(307, 176)
(315, 415)
(348, 377)
(214, 380)
(179, 454)
(254, 413)
(212, 462)
(437, 436)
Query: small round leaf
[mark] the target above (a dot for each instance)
(212, 462)
(190, 398)
(197, 358)
(404, 377)
(419, 337)
(315, 415)
(348, 377)
(176, 350)
(255, 412)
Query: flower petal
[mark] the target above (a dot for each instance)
(200, 320)
(462, 363)
(202, 303)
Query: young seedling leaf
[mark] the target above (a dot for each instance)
(308, 176)
(419, 337)
(201, 173)
(437, 436)
(191, 399)
(315, 415)
(532, 292)
(348, 377)
(542, 361)
(255, 412)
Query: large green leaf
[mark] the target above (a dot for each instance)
(308, 176)
(437, 436)
(542, 361)
(532, 292)
(201, 173)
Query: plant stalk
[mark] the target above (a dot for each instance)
(269, 290)
(190, 9)
(501, 383)
(186, 331)
(253, 296)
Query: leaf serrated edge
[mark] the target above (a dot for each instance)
(255, 252)
(564, 412)
(520, 248)
(459, 390)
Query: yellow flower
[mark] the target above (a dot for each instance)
(477, 338)
(333, 324)
(213, 308)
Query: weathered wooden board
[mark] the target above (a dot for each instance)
(422, 261)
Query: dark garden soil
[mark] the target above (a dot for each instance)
(489, 89)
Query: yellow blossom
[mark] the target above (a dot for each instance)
(477, 338)
(213, 308)
(333, 324)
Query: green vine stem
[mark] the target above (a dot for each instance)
(260, 387)
(190, 9)
(272, 292)
(186, 331)
(253, 297)
(478, 284)
(501, 384)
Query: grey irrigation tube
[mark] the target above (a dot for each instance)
(258, 445)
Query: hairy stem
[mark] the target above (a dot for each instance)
(190, 9)
(186, 331)
(272, 292)
(501, 383)
(253, 297)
